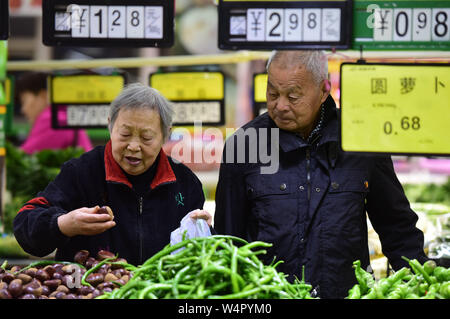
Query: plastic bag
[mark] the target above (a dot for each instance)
(190, 228)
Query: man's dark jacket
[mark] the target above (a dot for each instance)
(313, 210)
(143, 223)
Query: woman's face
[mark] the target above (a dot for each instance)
(33, 104)
(136, 139)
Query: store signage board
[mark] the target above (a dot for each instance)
(108, 23)
(196, 96)
(395, 108)
(82, 101)
(268, 25)
(259, 93)
(401, 25)
(4, 19)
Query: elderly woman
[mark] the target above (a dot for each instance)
(146, 190)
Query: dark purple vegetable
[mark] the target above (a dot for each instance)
(52, 284)
(81, 257)
(15, 288)
(103, 254)
(94, 279)
(4, 294)
(42, 275)
(25, 278)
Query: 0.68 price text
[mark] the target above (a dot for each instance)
(406, 123)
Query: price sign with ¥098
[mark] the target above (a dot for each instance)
(395, 108)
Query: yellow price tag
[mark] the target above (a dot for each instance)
(260, 87)
(189, 86)
(7, 90)
(399, 109)
(85, 88)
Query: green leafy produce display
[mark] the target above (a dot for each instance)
(219, 267)
(26, 175)
(426, 281)
(428, 193)
(11, 248)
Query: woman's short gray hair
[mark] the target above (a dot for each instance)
(137, 95)
(314, 61)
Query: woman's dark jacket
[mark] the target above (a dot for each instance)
(313, 209)
(143, 223)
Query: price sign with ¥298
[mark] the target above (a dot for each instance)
(395, 108)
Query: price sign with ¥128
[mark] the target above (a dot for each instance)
(291, 24)
(108, 23)
(395, 108)
(196, 96)
(82, 101)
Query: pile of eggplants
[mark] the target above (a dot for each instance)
(85, 278)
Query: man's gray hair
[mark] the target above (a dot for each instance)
(137, 95)
(314, 61)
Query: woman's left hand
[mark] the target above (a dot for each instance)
(203, 214)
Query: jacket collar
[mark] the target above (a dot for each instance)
(329, 132)
(114, 172)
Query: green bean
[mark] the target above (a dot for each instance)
(177, 279)
(233, 273)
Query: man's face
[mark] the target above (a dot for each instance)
(136, 139)
(294, 98)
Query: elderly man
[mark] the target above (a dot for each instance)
(313, 208)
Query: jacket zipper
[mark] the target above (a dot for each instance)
(308, 173)
(141, 248)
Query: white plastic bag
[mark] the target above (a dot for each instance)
(193, 228)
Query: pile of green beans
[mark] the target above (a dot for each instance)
(427, 281)
(218, 267)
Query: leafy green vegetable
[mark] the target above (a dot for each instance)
(26, 175)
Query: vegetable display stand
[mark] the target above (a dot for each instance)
(427, 281)
(214, 267)
(86, 278)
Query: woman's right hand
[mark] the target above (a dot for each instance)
(85, 221)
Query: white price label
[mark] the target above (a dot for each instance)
(311, 24)
(87, 115)
(331, 25)
(98, 21)
(411, 24)
(382, 28)
(116, 22)
(293, 24)
(79, 21)
(256, 24)
(135, 22)
(238, 25)
(274, 24)
(62, 21)
(154, 22)
(440, 25)
(189, 112)
(402, 24)
(290, 25)
(421, 25)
